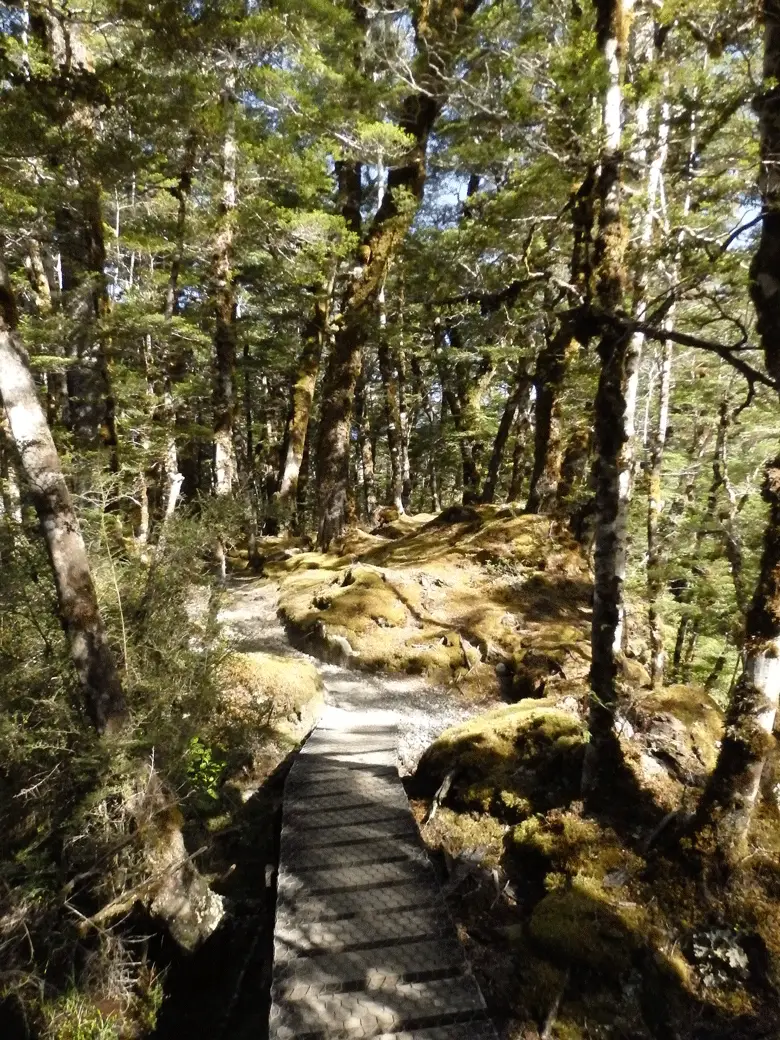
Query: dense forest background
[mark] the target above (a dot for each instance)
(288, 270)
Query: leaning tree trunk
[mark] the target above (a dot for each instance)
(513, 403)
(724, 813)
(603, 757)
(438, 33)
(78, 606)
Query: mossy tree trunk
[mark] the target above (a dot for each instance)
(390, 384)
(603, 757)
(301, 399)
(439, 31)
(78, 606)
(365, 463)
(725, 811)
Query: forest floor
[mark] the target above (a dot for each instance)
(473, 626)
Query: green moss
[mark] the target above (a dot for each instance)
(364, 600)
(459, 617)
(262, 691)
(456, 833)
(697, 710)
(511, 761)
(563, 841)
(578, 925)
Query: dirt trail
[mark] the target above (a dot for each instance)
(423, 711)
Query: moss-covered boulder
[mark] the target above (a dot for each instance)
(262, 691)
(671, 739)
(478, 598)
(513, 761)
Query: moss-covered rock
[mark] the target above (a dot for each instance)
(261, 690)
(451, 597)
(512, 761)
(687, 716)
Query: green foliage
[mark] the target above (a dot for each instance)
(73, 1017)
(205, 767)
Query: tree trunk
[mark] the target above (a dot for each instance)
(302, 397)
(390, 384)
(224, 305)
(724, 813)
(78, 606)
(91, 408)
(438, 31)
(366, 477)
(10, 494)
(399, 358)
(603, 757)
(655, 504)
(513, 403)
(463, 384)
(182, 193)
(551, 368)
(520, 459)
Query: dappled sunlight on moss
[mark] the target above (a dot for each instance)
(453, 597)
(511, 761)
(264, 696)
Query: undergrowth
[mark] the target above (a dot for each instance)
(74, 963)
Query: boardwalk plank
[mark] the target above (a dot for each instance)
(363, 943)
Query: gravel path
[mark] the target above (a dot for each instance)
(421, 711)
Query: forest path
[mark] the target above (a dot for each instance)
(423, 711)
(364, 945)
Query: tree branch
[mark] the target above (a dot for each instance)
(727, 353)
(489, 302)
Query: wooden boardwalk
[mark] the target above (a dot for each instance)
(364, 945)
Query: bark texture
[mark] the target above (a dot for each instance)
(301, 398)
(508, 417)
(548, 381)
(655, 505)
(603, 757)
(724, 814)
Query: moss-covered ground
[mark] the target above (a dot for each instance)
(578, 926)
(477, 598)
(582, 926)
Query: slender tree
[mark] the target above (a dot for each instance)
(78, 606)
(725, 810)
